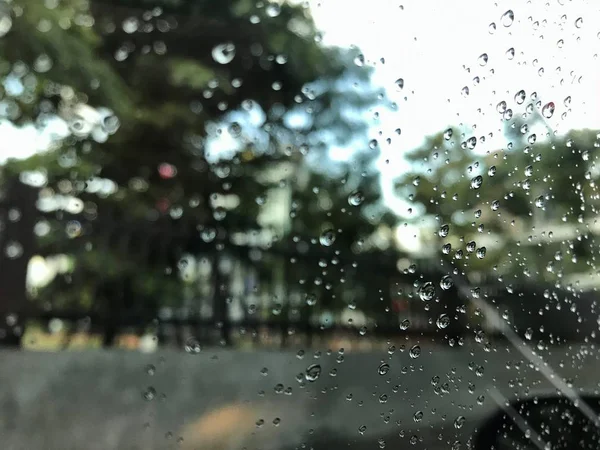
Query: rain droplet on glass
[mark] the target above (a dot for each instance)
(427, 291)
(548, 110)
(327, 238)
(415, 351)
(444, 230)
(508, 18)
(446, 282)
(443, 321)
(476, 182)
(223, 53)
(520, 97)
(383, 368)
(313, 372)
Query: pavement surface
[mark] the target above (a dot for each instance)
(223, 399)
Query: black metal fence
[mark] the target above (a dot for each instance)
(208, 289)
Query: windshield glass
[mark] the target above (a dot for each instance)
(294, 224)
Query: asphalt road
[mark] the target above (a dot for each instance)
(221, 399)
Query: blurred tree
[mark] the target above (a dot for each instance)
(523, 212)
(162, 120)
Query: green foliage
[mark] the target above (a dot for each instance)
(512, 201)
(157, 100)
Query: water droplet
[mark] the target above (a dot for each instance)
(508, 18)
(311, 299)
(208, 234)
(223, 53)
(444, 230)
(400, 83)
(405, 324)
(471, 142)
(548, 110)
(13, 250)
(501, 107)
(356, 198)
(415, 351)
(219, 213)
(362, 429)
(492, 171)
(130, 25)
(483, 59)
(313, 372)
(540, 201)
(510, 53)
(465, 91)
(446, 282)
(327, 238)
(442, 321)
(359, 60)
(446, 248)
(567, 101)
(383, 398)
(192, 346)
(416, 181)
(427, 291)
(528, 333)
(476, 182)
(383, 368)
(273, 10)
(495, 205)
(492, 28)
(579, 22)
(448, 134)
(42, 64)
(532, 138)
(520, 97)
(529, 171)
(418, 416)
(471, 246)
(481, 252)
(149, 394)
(459, 422)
